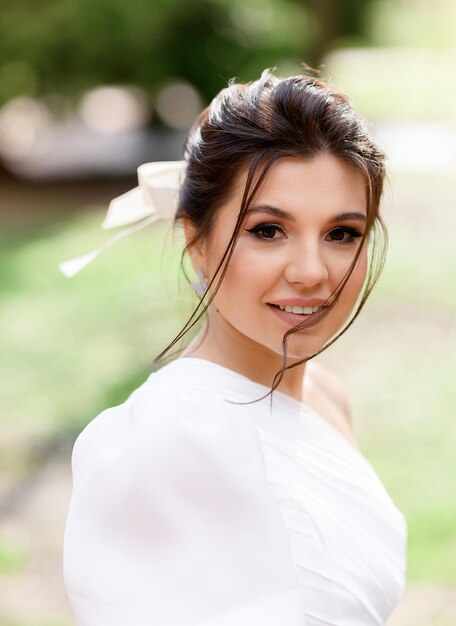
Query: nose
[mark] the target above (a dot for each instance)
(306, 265)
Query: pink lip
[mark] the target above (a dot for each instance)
(293, 319)
(299, 302)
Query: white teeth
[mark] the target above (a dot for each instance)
(301, 310)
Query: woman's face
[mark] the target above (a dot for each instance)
(297, 242)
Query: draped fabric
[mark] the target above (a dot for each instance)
(191, 508)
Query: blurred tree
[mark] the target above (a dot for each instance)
(67, 46)
(337, 23)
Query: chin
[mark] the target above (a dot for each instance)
(293, 355)
(296, 352)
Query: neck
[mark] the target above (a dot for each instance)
(253, 361)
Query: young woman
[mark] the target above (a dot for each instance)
(228, 489)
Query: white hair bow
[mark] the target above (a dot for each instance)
(155, 198)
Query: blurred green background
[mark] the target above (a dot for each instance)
(88, 91)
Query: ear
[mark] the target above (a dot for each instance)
(197, 252)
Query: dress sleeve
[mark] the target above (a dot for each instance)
(172, 523)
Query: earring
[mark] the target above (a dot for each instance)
(200, 287)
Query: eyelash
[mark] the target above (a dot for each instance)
(256, 231)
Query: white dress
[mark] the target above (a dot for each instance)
(190, 508)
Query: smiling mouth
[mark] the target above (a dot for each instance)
(294, 315)
(298, 310)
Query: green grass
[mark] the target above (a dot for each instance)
(13, 558)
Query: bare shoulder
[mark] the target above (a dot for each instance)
(326, 381)
(324, 391)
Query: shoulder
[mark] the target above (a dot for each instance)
(148, 416)
(326, 381)
(163, 422)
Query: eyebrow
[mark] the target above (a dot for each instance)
(272, 210)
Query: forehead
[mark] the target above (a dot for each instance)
(323, 183)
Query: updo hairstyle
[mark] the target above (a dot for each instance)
(253, 125)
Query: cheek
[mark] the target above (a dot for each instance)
(360, 269)
(250, 276)
(358, 276)
(245, 278)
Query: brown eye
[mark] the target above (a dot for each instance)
(267, 231)
(344, 235)
(338, 234)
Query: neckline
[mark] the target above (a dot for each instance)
(263, 389)
(288, 402)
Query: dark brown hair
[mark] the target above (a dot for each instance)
(255, 124)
